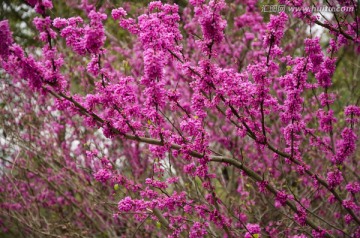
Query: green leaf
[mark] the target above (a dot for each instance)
(158, 224)
(116, 187)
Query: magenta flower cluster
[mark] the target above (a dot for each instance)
(204, 121)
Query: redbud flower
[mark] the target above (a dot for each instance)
(5, 39)
(198, 230)
(126, 204)
(102, 175)
(118, 13)
(281, 198)
(254, 229)
(353, 187)
(334, 178)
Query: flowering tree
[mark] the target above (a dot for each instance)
(211, 119)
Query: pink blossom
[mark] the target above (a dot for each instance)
(262, 186)
(334, 178)
(352, 114)
(346, 146)
(5, 39)
(353, 187)
(126, 204)
(281, 198)
(40, 5)
(198, 230)
(276, 28)
(118, 13)
(253, 230)
(326, 119)
(102, 175)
